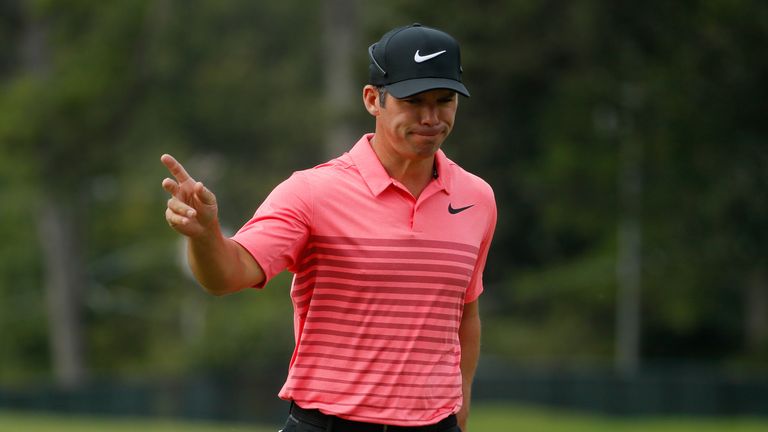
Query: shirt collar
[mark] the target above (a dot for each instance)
(443, 171)
(377, 178)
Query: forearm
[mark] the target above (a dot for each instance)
(469, 337)
(216, 263)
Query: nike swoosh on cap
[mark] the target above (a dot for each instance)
(422, 58)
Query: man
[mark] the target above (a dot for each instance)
(387, 242)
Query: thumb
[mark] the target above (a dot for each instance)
(204, 194)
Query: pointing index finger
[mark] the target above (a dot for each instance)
(175, 168)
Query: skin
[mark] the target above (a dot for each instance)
(408, 133)
(220, 264)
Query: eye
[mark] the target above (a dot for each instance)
(448, 98)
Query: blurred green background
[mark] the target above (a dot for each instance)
(626, 143)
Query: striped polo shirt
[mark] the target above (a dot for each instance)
(380, 282)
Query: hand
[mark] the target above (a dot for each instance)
(192, 208)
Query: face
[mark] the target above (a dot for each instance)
(413, 127)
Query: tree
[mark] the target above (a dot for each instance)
(67, 102)
(340, 36)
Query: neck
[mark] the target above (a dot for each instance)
(414, 174)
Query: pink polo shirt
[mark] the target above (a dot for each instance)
(380, 283)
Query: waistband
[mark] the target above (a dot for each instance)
(338, 424)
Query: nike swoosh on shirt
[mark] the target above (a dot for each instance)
(452, 210)
(422, 58)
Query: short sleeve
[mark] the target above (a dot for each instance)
(476, 283)
(278, 231)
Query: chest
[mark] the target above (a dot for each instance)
(396, 214)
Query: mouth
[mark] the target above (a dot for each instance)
(428, 132)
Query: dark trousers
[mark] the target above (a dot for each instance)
(304, 420)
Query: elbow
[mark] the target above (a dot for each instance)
(218, 290)
(215, 292)
(215, 284)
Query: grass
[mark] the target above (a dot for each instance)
(517, 418)
(32, 422)
(501, 417)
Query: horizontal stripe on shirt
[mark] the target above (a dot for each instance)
(381, 279)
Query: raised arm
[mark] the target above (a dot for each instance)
(220, 264)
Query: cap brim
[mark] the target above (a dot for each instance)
(404, 89)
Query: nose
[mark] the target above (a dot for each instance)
(429, 115)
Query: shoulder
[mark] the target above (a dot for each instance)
(301, 190)
(465, 182)
(327, 173)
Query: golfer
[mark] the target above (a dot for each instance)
(387, 244)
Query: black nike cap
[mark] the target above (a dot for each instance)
(413, 59)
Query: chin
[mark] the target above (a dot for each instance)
(427, 149)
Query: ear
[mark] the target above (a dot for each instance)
(371, 100)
